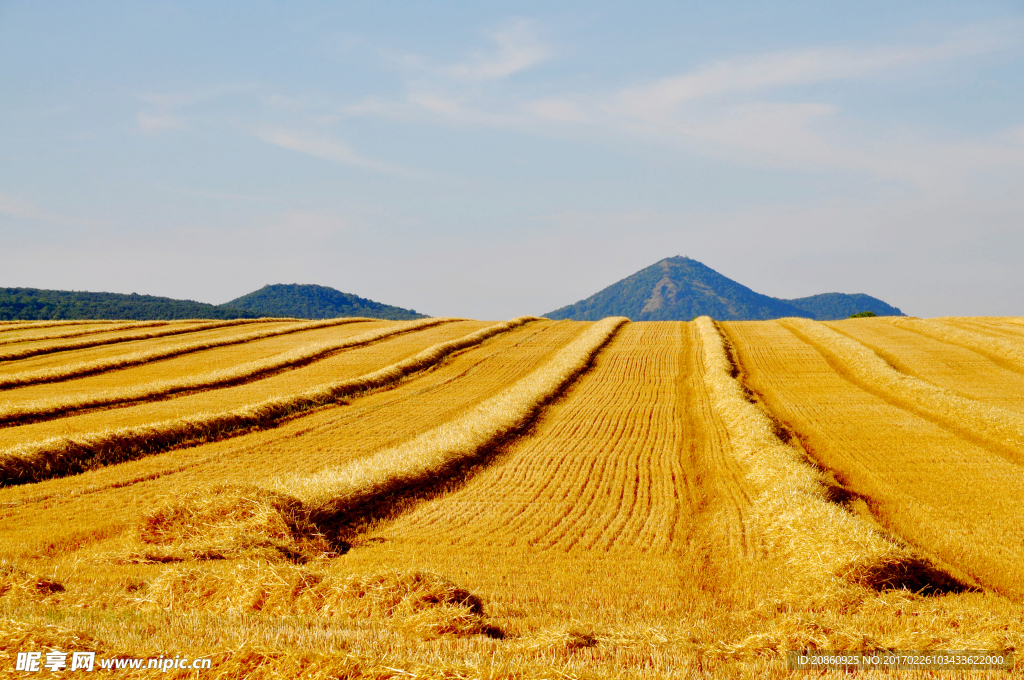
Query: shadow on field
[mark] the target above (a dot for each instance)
(916, 575)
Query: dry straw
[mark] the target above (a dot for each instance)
(791, 516)
(27, 352)
(43, 409)
(997, 349)
(232, 522)
(77, 370)
(222, 522)
(1002, 429)
(25, 325)
(89, 331)
(423, 604)
(339, 491)
(19, 636)
(16, 583)
(242, 660)
(61, 456)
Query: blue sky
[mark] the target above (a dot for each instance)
(491, 159)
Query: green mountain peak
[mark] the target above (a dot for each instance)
(680, 288)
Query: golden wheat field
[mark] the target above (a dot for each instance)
(450, 498)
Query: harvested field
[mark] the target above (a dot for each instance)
(236, 364)
(91, 361)
(24, 350)
(530, 499)
(938, 486)
(209, 414)
(9, 337)
(22, 325)
(1000, 347)
(594, 475)
(333, 435)
(946, 364)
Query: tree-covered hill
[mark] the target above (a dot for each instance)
(293, 301)
(34, 303)
(315, 302)
(843, 305)
(679, 289)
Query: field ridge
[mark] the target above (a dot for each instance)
(999, 430)
(341, 491)
(340, 499)
(27, 352)
(63, 456)
(46, 409)
(27, 324)
(80, 333)
(1004, 353)
(78, 370)
(791, 513)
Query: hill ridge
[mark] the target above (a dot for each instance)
(310, 301)
(278, 300)
(680, 288)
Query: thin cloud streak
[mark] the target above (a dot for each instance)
(791, 67)
(219, 195)
(518, 49)
(721, 110)
(331, 150)
(14, 206)
(158, 122)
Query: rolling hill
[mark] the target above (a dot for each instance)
(679, 289)
(293, 301)
(37, 304)
(315, 302)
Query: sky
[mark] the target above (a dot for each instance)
(492, 159)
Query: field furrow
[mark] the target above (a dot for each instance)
(603, 469)
(997, 428)
(724, 497)
(349, 493)
(1005, 350)
(106, 499)
(36, 348)
(22, 325)
(529, 499)
(947, 365)
(792, 520)
(1006, 327)
(941, 492)
(10, 337)
(238, 365)
(56, 368)
(123, 434)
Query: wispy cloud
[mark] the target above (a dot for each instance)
(164, 112)
(158, 122)
(16, 206)
(557, 110)
(245, 198)
(744, 109)
(329, 149)
(517, 48)
(791, 67)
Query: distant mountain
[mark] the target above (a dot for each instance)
(679, 289)
(315, 302)
(293, 301)
(34, 303)
(842, 305)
